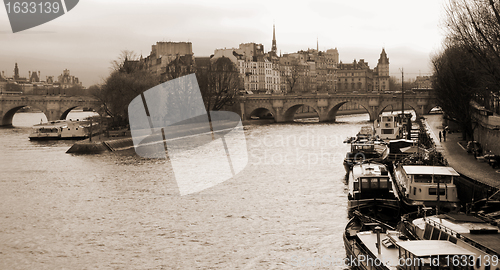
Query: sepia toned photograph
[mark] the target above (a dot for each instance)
(250, 135)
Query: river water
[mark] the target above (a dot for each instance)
(285, 210)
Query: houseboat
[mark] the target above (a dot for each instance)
(364, 147)
(426, 186)
(62, 129)
(467, 231)
(372, 192)
(392, 126)
(372, 245)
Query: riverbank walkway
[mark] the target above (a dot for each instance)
(457, 155)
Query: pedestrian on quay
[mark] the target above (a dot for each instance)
(439, 136)
(444, 135)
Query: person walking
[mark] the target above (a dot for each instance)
(444, 135)
(439, 136)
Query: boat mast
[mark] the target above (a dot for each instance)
(402, 92)
(401, 130)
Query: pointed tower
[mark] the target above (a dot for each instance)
(382, 82)
(274, 50)
(16, 73)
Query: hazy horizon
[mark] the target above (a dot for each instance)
(90, 36)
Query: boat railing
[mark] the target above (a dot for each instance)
(443, 228)
(461, 236)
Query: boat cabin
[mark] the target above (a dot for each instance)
(370, 180)
(433, 254)
(420, 183)
(391, 126)
(387, 127)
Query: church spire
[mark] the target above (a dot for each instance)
(273, 48)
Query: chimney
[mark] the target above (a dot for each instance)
(378, 230)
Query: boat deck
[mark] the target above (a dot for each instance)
(389, 254)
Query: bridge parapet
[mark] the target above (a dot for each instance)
(55, 107)
(326, 105)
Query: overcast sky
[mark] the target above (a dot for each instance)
(91, 35)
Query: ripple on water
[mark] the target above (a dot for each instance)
(117, 210)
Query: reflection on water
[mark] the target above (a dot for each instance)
(287, 208)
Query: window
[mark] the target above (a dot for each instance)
(446, 179)
(384, 183)
(364, 183)
(422, 178)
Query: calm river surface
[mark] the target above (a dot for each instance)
(285, 210)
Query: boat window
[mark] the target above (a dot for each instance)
(356, 186)
(435, 234)
(374, 183)
(433, 191)
(453, 239)
(387, 131)
(384, 183)
(427, 232)
(364, 183)
(446, 179)
(422, 178)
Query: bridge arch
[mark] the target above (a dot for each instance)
(397, 106)
(431, 106)
(334, 108)
(10, 112)
(263, 113)
(66, 111)
(290, 110)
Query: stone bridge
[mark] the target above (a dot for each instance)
(283, 107)
(54, 107)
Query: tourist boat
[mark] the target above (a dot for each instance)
(467, 231)
(374, 245)
(426, 186)
(372, 192)
(364, 147)
(62, 129)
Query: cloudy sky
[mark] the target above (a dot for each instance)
(91, 35)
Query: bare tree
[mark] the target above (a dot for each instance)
(124, 61)
(455, 83)
(120, 89)
(218, 83)
(475, 25)
(292, 77)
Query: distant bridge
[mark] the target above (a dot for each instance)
(54, 107)
(283, 107)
